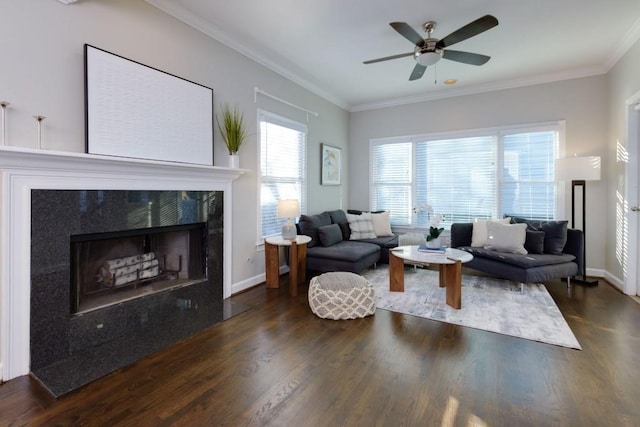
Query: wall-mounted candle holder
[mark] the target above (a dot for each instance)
(39, 119)
(4, 105)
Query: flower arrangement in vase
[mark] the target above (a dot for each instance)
(433, 238)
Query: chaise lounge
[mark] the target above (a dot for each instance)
(556, 253)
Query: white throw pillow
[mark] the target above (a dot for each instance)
(506, 237)
(479, 233)
(361, 226)
(381, 224)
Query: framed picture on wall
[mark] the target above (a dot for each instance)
(331, 165)
(136, 111)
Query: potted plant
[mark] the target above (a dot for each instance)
(231, 126)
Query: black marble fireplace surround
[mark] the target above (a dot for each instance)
(70, 350)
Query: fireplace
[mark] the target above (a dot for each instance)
(110, 268)
(54, 201)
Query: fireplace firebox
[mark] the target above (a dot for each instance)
(109, 268)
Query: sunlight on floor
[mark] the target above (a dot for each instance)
(449, 416)
(451, 411)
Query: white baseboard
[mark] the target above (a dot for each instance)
(614, 280)
(253, 281)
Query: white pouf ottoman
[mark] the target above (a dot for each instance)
(341, 295)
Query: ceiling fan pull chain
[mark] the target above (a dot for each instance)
(435, 74)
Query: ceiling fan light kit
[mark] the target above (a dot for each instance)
(428, 51)
(427, 58)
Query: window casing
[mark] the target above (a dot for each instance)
(474, 174)
(283, 145)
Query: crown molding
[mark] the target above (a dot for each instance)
(189, 18)
(216, 33)
(629, 39)
(477, 89)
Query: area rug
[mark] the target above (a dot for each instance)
(489, 304)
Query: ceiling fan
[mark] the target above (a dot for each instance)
(429, 51)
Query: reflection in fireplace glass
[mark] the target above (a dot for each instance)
(108, 268)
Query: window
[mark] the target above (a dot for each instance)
(282, 168)
(476, 174)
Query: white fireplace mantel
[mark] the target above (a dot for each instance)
(22, 170)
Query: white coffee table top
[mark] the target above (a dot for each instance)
(301, 239)
(412, 254)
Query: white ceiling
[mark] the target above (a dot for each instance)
(321, 44)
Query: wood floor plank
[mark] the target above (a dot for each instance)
(278, 364)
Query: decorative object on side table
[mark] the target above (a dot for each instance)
(433, 238)
(233, 132)
(289, 208)
(331, 165)
(579, 170)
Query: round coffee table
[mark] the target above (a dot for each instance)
(449, 263)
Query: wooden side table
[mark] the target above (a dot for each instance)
(297, 261)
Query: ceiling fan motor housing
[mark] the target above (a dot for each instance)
(427, 54)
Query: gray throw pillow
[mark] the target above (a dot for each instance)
(338, 216)
(329, 234)
(506, 237)
(555, 232)
(534, 242)
(309, 224)
(346, 231)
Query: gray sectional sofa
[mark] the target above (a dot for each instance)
(556, 253)
(331, 247)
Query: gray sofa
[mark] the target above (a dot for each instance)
(546, 263)
(331, 249)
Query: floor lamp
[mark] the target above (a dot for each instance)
(579, 170)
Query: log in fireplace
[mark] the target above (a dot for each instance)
(109, 268)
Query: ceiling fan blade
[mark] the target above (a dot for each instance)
(386, 58)
(417, 72)
(465, 57)
(407, 32)
(473, 28)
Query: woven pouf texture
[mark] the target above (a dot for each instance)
(341, 295)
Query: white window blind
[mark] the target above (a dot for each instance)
(456, 178)
(282, 168)
(486, 175)
(528, 188)
(391, 173)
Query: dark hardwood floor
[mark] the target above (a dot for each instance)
(278, 364)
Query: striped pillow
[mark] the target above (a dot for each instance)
(361, 226)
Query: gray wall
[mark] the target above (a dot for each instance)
(624, 83)
(580, 102)
(42, 73)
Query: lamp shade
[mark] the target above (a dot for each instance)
(289, 208)
(578, 169)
